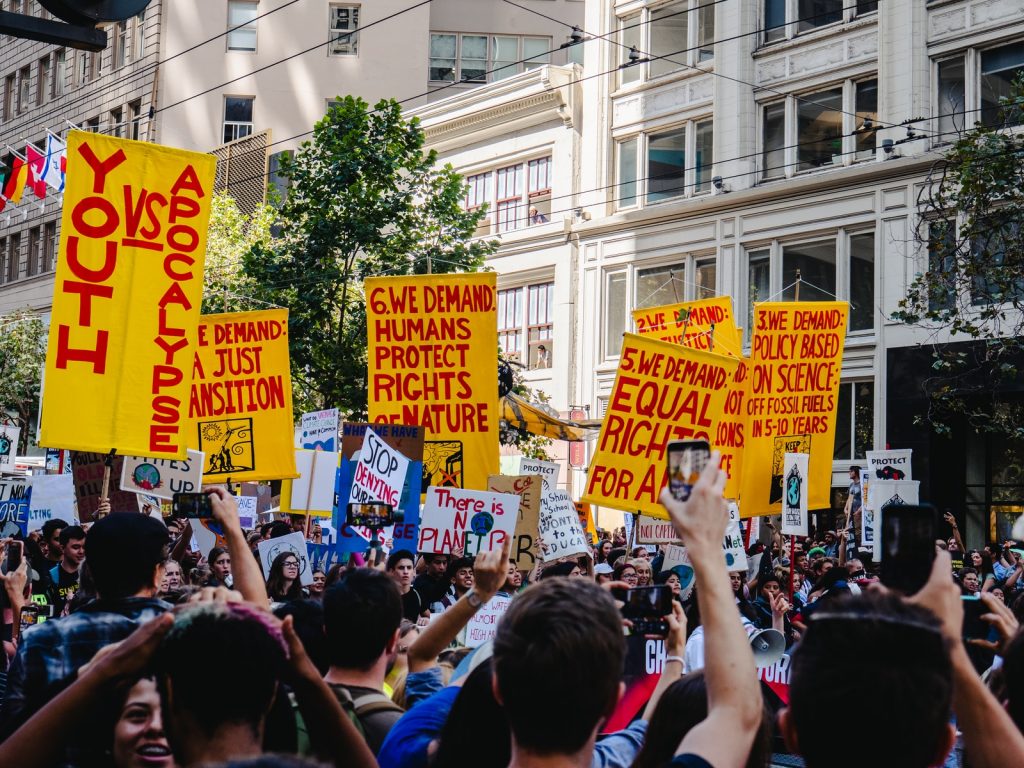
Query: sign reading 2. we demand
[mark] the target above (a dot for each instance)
(433, 361)
(126, 297)
(662, 392)
(241, 402)
(795, 365)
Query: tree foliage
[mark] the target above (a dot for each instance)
(22, 354)
(364, 199)
(972, 222)
(231, 235)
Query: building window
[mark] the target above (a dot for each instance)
(990, 74)
(788, 18)
(135, 120)
(92, 124)
(465, 58)
(667, 172)
(343, 30)
(822, 129)
(237, 117)
(139, 37)
(119, 46)
(519, 195)
(24, 88)
(117, 123)
(862, 282)
(538, 314)
(60, 73)
(13, 257)
(994, 245)
(855, 421)
(88, 67)
(615, 307)
(32, 265)
(816, 265)
(942, 269)
(42, 80)
(49, 246)
(673, 37)
(9, 87)
(3, 260)
(242, 25)
(759, 273)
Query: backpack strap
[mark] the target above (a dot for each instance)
(372, 703)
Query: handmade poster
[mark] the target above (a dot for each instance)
(8, 446)
(475, 521)
(126, 298)
(662, 392)
(560, 532)
(312, 492)
(795, 367)
(735, 552)
(522, 465)
(294, 543)
(87, 471)
(890, 465)
(796, 493)
(207, 534)
(887, 493)
(867, 515)
(652, 530)
(586, 514)
(707, 324)
(58, 461)
(677, 560)
(241, 402)
(15, 502)
(484, 624)
(776, 677)
(162, 478)
(433, 360)
(247, 513)
(319, 430)
(732, 427)
(322, 556)
(379, 474)
(53, 498)
(529, 489)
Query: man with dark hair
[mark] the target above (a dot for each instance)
(66, 575)
(433, 582)
(51, 539)
(461, 574)
(401, 567)
(125, 553)
(362, 613)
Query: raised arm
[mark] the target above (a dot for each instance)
(675, 647)
(245, 571)
(724, 738)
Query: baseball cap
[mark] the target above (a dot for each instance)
(603, 569)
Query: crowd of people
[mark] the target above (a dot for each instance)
(125, 648)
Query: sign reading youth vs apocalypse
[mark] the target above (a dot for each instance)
(241, 402)
(433, 361)
(126, 297)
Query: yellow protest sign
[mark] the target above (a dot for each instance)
(126, 297)
(662, 392)
(795, 366)
(241, 401)
(732, 427)
(433, 361)
(690, 323)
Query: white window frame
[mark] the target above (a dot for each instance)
(490, 63)
(790, 28)
(643, 174)
(791, 139)
(529, 290)
(348, 48)
(252, 24)
(487, 180)
(688, 60)
(237, 125)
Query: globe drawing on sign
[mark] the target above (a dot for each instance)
(5, 444)
(147, 477)
(793, 490)
(481, 523)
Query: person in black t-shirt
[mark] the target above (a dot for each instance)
(401, 568)
(66, 575)
(434, 582)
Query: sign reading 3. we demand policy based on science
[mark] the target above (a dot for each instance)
(433, 361)
(126, 297)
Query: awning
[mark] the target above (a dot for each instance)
(534, 419)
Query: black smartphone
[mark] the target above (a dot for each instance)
(191, 505)
(14, 555)
(909, 533)
(974, 628)
(647, 607)
(372, 515)
(686, 459)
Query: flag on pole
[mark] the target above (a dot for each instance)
(36, 162)
(15, 183)
(55, 163)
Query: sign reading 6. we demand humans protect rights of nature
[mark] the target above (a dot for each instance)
(433, 361)
(126, 297)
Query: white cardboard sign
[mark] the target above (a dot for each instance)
(735, 552)
(319, 430)
(560, 532)
(484, 624)
(294, 543)
(53, 498)
(651, 530)
(477, 521)
(162, 478)
(890, 465)
(794, 494)
(8, 447)
(885, 493)
(379, 473)
(321, 496)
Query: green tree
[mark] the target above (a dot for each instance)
(231, 235)
(364, 199)
(22, 354)
(972, 226)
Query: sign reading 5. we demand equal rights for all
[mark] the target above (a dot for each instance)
(433, 361)
(662, 392)
(241, 400)
(126, 297)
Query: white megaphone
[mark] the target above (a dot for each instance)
(768, 646)
(1018, 529)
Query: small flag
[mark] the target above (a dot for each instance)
(15, 184)
(36, 162)
(56, 161)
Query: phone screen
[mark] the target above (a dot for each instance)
(375, 515)
(974, 628)
(14, 552)
(686, 460)
(648, 602)
(194, 505)
(909, 533)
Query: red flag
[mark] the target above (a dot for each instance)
(36, 162)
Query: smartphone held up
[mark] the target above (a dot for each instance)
(194, 505)
(686, 459)
(909, 533)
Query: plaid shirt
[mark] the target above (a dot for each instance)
(50, 654)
